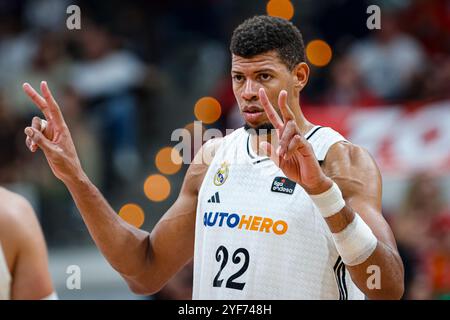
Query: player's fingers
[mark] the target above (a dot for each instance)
(286, 112)
(294, 145)
(30, 145)
(302, 146)
(36, 123)
(53, 107)
(37, 99)
(273, 116)
(42, 126)
(38, 138)
(289, 132)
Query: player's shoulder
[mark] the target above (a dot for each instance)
(16, 213)
(205, 156)
(345, 154)
(212, 145)
(200, 164)
(13, 204)
(206, 153)
(347, 150)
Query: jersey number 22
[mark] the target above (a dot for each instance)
(222, 256)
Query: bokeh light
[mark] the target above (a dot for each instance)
(133, 214)
(168, 160)
(157, 187)
(207, 110)
(280, 8)
(319, 53)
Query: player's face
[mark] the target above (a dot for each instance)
(249, 75)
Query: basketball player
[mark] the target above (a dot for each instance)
(24, 271)
(303, 223)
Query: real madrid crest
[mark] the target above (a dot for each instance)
(222, 174)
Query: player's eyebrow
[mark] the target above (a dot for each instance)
(264, 70)
(254, 72)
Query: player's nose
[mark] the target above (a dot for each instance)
(250, 91)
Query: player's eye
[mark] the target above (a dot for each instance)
(238, 78)
(265, 76)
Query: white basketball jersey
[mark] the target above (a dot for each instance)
(5, 277)
(258, 235)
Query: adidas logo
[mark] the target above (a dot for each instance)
(214, 198)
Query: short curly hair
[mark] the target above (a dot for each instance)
(262, 34)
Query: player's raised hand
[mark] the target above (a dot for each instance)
(52, 135)
(294, 155)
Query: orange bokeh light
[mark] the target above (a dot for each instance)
(207, 110)
(133, 214)
(280, 8)
(319, 53)
(157, 187)
(168, 160)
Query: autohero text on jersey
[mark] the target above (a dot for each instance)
(244, 222)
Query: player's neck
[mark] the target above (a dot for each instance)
(303, 124)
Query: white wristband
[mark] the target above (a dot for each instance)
(330, 202)
(356, 242)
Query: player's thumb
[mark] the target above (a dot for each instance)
(38, 138)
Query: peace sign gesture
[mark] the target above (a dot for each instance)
(52, 135)
(294, 155)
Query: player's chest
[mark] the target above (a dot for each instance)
(244, 196)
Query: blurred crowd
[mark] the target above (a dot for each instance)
(422, 230)
(133, 72)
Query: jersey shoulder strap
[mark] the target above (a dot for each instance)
(321, 139)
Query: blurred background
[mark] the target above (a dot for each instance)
(137, 70)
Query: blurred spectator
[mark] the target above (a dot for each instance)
(435, 86)
(389, 60)
(9, 155)
(429, 22)
(106, 78)
(17, 47)
(82, 132)
(37, 14)
(49, 62)
(436, 261)
(422, 204)
(347, 87)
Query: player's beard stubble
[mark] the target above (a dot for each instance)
(261, 129)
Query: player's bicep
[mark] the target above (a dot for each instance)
(172, 239)
(358, 177)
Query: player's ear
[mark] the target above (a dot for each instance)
(301, 75)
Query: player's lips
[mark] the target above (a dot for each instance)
(252, 109)
(252, 113)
